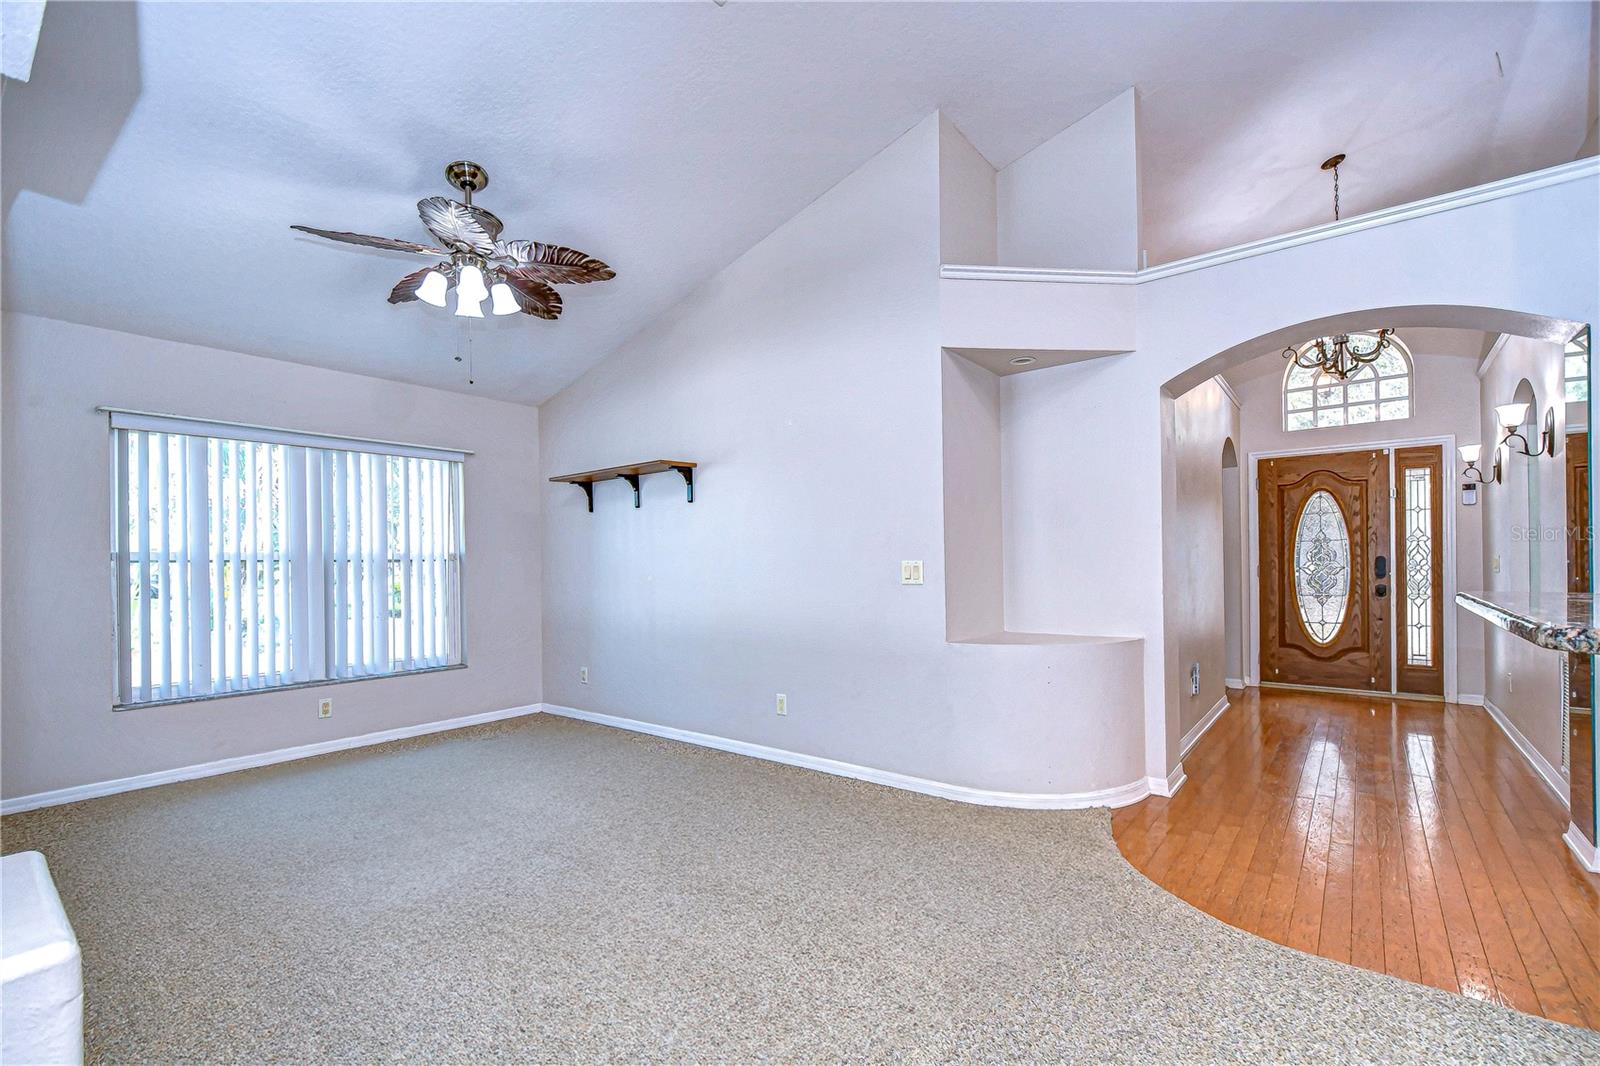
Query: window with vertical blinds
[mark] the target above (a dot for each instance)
(247, 559)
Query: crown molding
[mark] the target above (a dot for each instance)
(1492, 354)
(1227, 390)
(1587, 167)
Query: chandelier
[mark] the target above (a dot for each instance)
(1342, 354)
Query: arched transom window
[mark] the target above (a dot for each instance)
(1380, 391)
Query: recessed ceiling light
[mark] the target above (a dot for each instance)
(1024, 360)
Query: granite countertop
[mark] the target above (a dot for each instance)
(1561, 623)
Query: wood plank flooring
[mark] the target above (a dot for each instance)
(1402, 836)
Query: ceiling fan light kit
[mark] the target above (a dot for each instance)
(513, 275)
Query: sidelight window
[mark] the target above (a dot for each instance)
(1577, 368)
(1419, 548)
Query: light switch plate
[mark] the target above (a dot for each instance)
(911, 572)
(325, 708)
(783, 704)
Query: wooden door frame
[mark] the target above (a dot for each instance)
(1252, 568)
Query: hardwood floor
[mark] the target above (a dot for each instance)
(1402, 836)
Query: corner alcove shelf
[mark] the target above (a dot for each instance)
(631, 474)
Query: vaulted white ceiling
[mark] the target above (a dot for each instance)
(153, 163)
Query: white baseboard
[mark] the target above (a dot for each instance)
(1192, 737)
(1169, 785)
(1588, 857)
(1119, 796)
(245, 762)
(1541, 766)
(1234, 682)
(1469, 699)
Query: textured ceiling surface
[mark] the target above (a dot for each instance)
(155, 159)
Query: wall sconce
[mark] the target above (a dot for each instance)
(1472, 475)
(1511, 415)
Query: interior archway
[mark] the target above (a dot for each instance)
(1448, 316)
(1517, 507)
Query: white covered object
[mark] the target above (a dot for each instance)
(41, 976)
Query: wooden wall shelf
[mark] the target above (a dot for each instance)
(631, 474)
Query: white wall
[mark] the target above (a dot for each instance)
(966, 200)
(1204, 419)
(58, 729)
(1234, 588)
(1445, 395)
(974, 537)
(1074, 200)
(811, 386)
(1524, 680)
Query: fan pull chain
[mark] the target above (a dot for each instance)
(1336, 194)
(464, 341)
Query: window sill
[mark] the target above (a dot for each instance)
(320, 683)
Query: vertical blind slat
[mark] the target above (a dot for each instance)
(123, 573)
(235, 584)
(219, 584)
(142, 524)
(162, 596)
(199, 568)
(380, 564)
(358, 607)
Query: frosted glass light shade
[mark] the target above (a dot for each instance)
(1470, 452)
(1511, 414)
(504, 302)
(470, 292)
(433, 289)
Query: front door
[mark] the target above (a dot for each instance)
(1326, 578)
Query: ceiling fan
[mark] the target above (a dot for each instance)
(520, 273)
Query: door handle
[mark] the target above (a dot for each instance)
(1381, 591)
(1381, 568)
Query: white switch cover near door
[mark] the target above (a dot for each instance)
(911, 572)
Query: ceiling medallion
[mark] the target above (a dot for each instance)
(1342, 354)
(513, 275)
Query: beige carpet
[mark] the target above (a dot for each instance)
(546, 890)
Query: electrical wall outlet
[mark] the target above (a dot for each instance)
(1194, 680)
(1494, 564)
(783, 704)
(911, 572)
(325, 709)
(583, 675)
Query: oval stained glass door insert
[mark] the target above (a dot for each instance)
(1322, 567)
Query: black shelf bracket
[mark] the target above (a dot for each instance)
(588, 490)
(688, 480)
(632, 479)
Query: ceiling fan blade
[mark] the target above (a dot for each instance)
(553, 264)
(455, 226)
(393, 244)
(491, 223)
(533, 296)
(405, 290)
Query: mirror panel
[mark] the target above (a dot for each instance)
(1582, 755)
